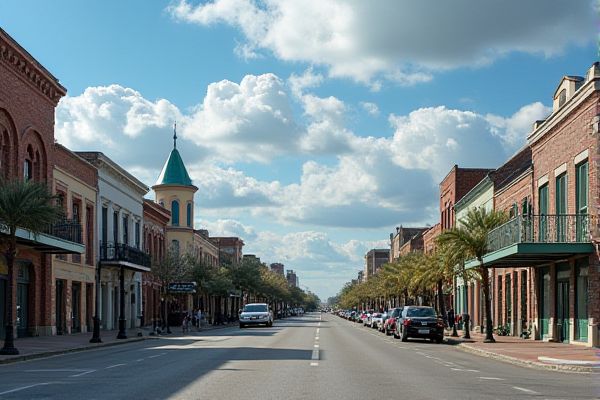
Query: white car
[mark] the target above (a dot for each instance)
(376, 320)
(256, 314)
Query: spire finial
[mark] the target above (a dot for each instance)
(175, 135)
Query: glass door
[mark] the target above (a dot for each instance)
(76, 307)
(22, 309)
(544, 302)
(581, 301)
(60, 307)
(562, 310)
(2, 306)
(581, 200)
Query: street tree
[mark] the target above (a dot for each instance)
(28, 205)
(470, 238)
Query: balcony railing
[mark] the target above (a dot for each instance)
(563, 228)
(111, 251)
(66, 229)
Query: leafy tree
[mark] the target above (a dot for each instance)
(28, 205)
(469, 238)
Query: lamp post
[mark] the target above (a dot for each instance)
(96, 335)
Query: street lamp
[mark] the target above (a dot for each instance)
(96, 335)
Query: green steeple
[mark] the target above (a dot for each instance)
(174, 172)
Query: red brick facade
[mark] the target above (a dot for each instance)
(28, 97)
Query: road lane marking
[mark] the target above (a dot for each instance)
(464, 370)
(525, 390)
(314, 364)
(139, 359)
(157, 355)
(27, 387)
(82, 373)
(318, 329)
(316, 338)
(316, 345)
(115, 366)
(57, 370)
(491, 378)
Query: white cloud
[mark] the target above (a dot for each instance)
(514, 130)
(249, 121)
(370, 41)
(370, 108)
(308, 79)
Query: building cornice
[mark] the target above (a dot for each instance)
(24, 65)
(585, 91)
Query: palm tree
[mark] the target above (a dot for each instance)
(27, 205)
(469, 238)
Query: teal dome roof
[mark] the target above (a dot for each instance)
(174, 172)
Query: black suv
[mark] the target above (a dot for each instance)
(420, 322)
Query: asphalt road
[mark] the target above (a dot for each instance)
(298, 358)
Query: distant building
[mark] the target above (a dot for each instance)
(292, 278)
(360, 277)
(277, 268)
(230, 249)
(405, 241)
(251, 257)
(374, 259)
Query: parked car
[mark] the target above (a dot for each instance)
(384, 317)
(389, 325)
(420, 322)
(256, 314)
(376, 320)
(362, 317)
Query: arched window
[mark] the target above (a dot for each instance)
(175, 213)
(189, 215)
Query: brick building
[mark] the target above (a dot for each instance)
(374, 259)
(229, 248)
(544, 260)
(75, 182)
(28, 98)
(429, 237)
(156, 219)
(404, 241)
(277, 268)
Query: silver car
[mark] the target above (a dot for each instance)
(256, 314)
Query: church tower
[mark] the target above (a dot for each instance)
(174, 191)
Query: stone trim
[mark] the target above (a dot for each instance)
(581, 157)
(28, 69)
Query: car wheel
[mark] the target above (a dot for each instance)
(404, 335)
(387, 332)
(439, 340)
(270, 324)
(395, 333)
(242, 326)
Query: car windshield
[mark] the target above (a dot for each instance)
(255, 308)
(396, 312)
(420, 312)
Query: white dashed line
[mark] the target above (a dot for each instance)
(139, 359)
(314, 364)
(115, 366)
(317, 346)
(525, 390)
(82, 373)
(157, 355)
(27, 387)
(464, 370)
(491, 378)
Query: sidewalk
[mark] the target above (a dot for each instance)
(45, 346)
(532, 353)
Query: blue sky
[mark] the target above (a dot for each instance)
(312, 128)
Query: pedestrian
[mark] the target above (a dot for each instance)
(451, 318)
(199, 318)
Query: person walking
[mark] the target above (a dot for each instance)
(199, 318)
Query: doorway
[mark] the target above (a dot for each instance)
(2, 307)
(23, 301)
(76, 307)
(581, 300)
(60, 307)
(544, 285)
(562, 310)
(89, 306)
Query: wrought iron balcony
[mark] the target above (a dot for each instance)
(66, 229)
(120, 252)
(563, 228)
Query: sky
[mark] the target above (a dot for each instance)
(311, 128)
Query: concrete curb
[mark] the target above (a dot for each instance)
(567, 368)
(46, 354)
